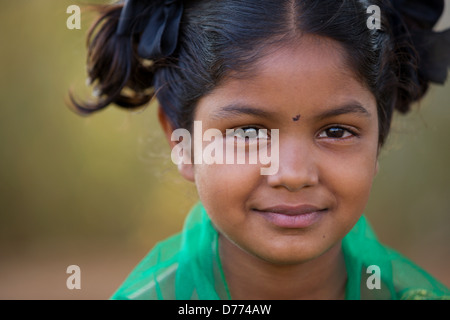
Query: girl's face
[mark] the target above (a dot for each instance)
(328, 146)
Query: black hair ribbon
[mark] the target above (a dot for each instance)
(157, 22)
(433, 48)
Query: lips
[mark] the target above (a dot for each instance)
(292, 217)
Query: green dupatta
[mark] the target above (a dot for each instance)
(187, 266)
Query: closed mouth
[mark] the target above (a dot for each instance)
(292, 210)
(292, 217)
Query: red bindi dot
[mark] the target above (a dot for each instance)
(296, 118)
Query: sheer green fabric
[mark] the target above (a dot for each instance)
(187, 266)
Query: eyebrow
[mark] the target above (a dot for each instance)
(240, 109)
(353, 107)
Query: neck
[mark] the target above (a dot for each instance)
(249, 277)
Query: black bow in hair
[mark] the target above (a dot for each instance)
(158, 22)
(420, 16)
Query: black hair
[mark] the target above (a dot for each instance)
(217, 37)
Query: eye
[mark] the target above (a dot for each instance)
(336, 132)
(250, 134)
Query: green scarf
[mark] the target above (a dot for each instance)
(187, 266)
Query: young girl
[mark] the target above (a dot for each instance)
(314, 84)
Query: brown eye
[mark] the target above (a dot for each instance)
(250, 133)
(335, 133)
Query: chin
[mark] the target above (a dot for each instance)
(287, 255)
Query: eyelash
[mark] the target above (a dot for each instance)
(258, 133)
(352, 133)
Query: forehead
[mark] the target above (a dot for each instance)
(311, 75)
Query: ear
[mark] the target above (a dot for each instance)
(186, 170)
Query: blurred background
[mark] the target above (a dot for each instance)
(100, 191)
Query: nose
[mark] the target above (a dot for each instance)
(298, 167)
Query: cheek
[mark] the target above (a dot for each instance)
(225, 185)
(348, 180)
(351, 177)
(224, 191)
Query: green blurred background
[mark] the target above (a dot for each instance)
(98, 192)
